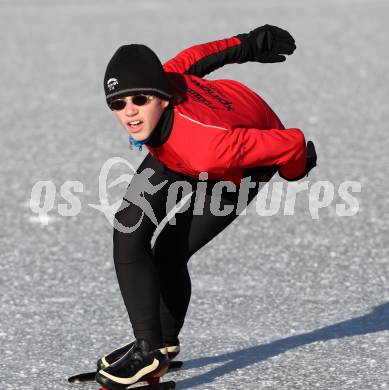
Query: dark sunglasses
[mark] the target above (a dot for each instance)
(137, 100)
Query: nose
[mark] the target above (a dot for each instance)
(130, 109)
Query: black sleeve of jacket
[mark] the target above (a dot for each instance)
(203, 59)
(237, 54)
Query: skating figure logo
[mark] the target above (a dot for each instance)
(111, 83)
(135, 193)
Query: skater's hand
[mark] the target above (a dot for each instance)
(311, 156)
(268, 44)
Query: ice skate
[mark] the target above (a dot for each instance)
(137, 364)
(112, 357)
(107, 360)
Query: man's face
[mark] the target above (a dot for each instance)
(140, 121)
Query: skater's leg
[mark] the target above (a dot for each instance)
(172, 250)
(136, 273)
(171, 256)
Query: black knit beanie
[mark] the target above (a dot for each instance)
(135, 69)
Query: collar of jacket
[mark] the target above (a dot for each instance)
(163, 129)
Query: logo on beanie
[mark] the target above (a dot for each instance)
(111, 83)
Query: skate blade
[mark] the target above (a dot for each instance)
(159, 386)
(90, 376)
(82, 378)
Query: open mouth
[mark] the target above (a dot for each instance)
(135, 125)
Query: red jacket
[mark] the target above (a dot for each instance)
(221, 126)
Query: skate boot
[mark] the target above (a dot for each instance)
(138, 363)
(105, 361)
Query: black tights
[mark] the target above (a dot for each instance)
(154, 281)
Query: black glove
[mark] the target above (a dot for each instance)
(311, 162)
(267, 44)
(311, 156)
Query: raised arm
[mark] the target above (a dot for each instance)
(264, 44)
